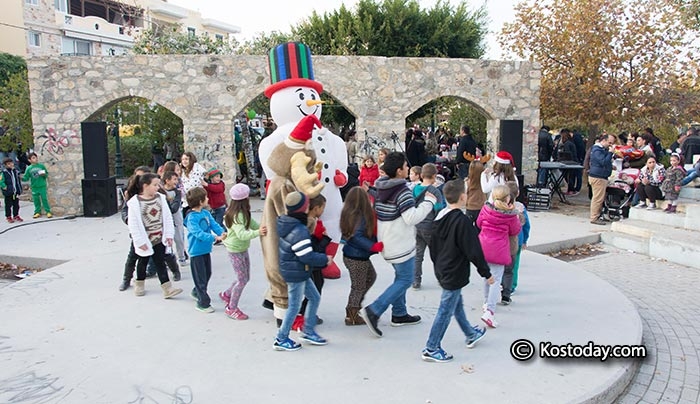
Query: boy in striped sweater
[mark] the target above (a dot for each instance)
(397, 217)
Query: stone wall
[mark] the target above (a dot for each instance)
(207, 91)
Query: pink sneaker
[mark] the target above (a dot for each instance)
(489, 319)
(18, 219)
(236, 314)
(224, 297)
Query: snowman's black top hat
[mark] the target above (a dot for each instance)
(290, 65)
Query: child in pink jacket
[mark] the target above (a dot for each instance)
(497, 222)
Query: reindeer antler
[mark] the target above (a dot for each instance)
(483, 159)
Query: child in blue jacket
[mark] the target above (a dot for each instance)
(297, 260)
(200, 225)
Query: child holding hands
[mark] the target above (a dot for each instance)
(200, 224)
(497, 223)
(358, 225)
(454, 247)
(240, 229)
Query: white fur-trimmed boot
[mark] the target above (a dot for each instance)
(139, 288)
(169, 291)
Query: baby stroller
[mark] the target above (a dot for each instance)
(618, 197)
(619, 194)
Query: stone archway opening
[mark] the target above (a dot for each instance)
(149, 133)
(443, 117)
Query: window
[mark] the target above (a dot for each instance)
(61, 5)
(34, 38)
(219, 37)
(76, 47)
(191, 32)
(32, 2)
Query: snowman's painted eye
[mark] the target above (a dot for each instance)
(301, 96)
(313, 96)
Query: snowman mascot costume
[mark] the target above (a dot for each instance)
(294, 94)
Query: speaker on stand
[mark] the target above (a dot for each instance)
(99, 189)
(511, 140)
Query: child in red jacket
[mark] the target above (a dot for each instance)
(216, 192)
(369, 172)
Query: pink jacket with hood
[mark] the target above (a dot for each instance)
(496, 228)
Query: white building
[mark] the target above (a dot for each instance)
(106, 27)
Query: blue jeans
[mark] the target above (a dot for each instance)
(541, 177)
(218, 215)
(690, 177)
(395, 294)
(450, 304)
(201, 273)
(296, 292)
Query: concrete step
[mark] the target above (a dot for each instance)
(623, 241)
(688, 216)
(690, 192)
(657, 240)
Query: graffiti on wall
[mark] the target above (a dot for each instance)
(54, 145)
(203, 148)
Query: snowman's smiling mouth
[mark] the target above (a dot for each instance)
(304, 113)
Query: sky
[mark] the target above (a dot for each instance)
(258, 16)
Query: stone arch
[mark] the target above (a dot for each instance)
(205, 90)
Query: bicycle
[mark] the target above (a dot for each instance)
(370, 145)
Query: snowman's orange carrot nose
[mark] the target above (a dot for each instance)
(311, 103)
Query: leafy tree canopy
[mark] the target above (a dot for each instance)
(16, 114)
(172, 40)
(396, 28)
(9, 65)
(615, 63)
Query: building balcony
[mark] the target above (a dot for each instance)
(169, 10)
(96, 29)
(220, 26)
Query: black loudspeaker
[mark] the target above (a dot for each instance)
(511, 140)
(95, 160)
(100, 197)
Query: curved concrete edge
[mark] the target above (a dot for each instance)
(36, 263)
(617, 384)
(57, 309)
(545, 248)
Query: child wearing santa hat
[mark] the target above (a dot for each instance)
(502, 172)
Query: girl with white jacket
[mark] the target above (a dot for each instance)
(151, 228)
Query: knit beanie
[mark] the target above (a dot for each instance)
(213, 172)
(239, 192)
(296, 202)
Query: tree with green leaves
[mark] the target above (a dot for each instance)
(15, 107)
(9, 65)
(396, 28)
(172, 40)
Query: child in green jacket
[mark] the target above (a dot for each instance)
(241, 228)
(37, 174)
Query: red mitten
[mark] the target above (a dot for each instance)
(319, 230)
(302, 132)
(377, 247)
(339, 179)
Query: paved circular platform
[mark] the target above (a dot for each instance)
(68, 336)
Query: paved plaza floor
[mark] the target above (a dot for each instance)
(68, 335)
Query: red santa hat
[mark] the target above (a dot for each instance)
(290, 65)
(302, 132)
(504, 157)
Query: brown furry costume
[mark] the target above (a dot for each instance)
(294, 163)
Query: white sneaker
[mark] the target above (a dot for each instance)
(489, 319)
(651, 206)
(640, 205)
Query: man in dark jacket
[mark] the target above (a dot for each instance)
(454, 245)
(690, 146)
(415, 150)
(598, 173)
(466, 144)
(545, 148)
